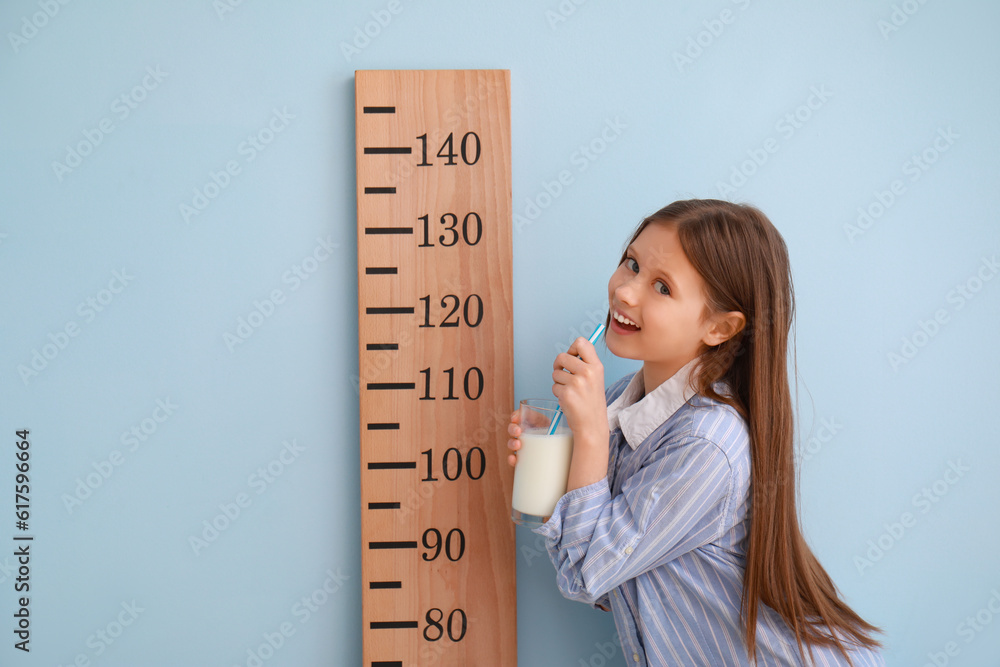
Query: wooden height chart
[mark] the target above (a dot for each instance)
(436, 367)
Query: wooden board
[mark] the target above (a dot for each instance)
(435, 367)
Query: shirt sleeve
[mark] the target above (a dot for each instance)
(676, 502)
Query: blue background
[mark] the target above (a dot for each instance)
(671, 101)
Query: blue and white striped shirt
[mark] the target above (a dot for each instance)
(663, 538)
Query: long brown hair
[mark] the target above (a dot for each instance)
(744, 263)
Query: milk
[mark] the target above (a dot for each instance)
(541, 472)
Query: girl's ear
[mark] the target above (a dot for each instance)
(724, 326)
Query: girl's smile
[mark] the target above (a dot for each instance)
(623, 324)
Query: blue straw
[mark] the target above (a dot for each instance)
(555, 420)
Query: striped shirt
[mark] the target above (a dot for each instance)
(662, 540)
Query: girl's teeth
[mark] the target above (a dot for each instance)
(624, 320)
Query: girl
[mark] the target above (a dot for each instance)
(679, 515)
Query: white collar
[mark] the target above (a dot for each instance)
(639, 415)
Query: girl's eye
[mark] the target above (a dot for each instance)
(629, 259)
(665, 291)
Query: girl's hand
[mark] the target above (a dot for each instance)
(579, 386)
(581, 397)
(514, 430)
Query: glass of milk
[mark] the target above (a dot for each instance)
(542, 463)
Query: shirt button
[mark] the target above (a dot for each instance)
(635, 656)
(616, 593)
(628, 550)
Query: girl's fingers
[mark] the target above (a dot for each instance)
(513, 445)
(585, 350)
(561, 361)
(533, 419)
(537, 420)
(567, 363)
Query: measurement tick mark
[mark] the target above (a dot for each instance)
(378, 110)
(385, 584)
(389, 310)
(392, 625)
(393, 465)
(380, 191)
(383, 426)
(388, 230)
(392, 545)
(382, 346)
(383, 506)
(380, 270)
(388, 150)
(392, 385)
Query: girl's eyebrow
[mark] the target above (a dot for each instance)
(661, 272)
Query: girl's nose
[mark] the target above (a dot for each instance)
(626, 291)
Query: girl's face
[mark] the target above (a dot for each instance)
(659, 290)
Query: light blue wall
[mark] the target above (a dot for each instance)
(678, 129)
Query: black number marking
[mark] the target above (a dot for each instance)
(474, 471)
(435, 623)
(454, 549)
(471, 150)
(472, 310)
(472, 230)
